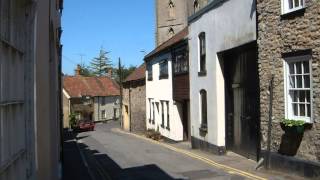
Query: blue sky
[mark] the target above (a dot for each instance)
(122, 27)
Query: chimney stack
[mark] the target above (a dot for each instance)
(78, 70)
(110, 73)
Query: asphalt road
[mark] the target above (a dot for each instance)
(113, 155)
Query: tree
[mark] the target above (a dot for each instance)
(101, 64)
(125, 72)
(85, 70)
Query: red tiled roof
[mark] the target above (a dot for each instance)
(175, 39)
(78, 86)
(139, 73)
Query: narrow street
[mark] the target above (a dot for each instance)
(120, 156)
(111, 154)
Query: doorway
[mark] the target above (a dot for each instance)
(186, 121)
(242, 100)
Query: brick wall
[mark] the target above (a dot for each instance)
(281, 34)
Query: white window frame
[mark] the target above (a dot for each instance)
(289, 114)
(285, 6)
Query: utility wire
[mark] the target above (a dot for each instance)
(69, 60)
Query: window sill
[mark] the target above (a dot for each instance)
(181, 73)
(165, 76)
(293, 14)
(202, 73)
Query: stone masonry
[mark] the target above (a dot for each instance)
(137, 108)
(278, 34)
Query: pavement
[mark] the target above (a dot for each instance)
(110, 153)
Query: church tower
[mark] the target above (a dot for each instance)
(171, 17)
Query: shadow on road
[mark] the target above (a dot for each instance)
(72, 164)
(103, 167)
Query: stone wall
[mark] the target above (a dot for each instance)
(137, 108)
(278, 34)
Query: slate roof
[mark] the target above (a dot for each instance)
(183, 34)
(138, 74)
(78, 86)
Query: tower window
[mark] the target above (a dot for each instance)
(171, 9)
(196, 6)
(171, 31)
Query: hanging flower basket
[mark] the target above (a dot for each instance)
(291, 139)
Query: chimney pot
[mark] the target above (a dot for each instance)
(78, 70)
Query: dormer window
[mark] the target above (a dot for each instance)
(292, 5)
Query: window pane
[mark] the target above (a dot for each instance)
(292, 81)
(308, 96)
(203, 63)
(308, 110)
(302, 109)
(298, 68)
(299, 81)
(302, 96)
(294, 96)
(290, 4)
(306, 67)
(296, 3)
(301, 2)
(291, 68)
(295, 109)
(307, 81)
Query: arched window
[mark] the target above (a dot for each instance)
(203, 107)
(202, 46)
(170, 31)
(195, 5)
(171, 9)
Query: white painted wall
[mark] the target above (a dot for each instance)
(227, 26)
(111, 103)
(161, 90)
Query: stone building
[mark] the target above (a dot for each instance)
(30, 68)
(289, 49)
(90, 98)
(134, 101)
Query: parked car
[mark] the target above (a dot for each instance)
(85, 125)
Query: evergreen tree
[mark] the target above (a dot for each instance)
(101, 64)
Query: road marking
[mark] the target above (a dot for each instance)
(226, 168)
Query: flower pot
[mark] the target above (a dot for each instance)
(291, 139)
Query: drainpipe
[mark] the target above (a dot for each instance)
(130, 108)
(267, 165)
